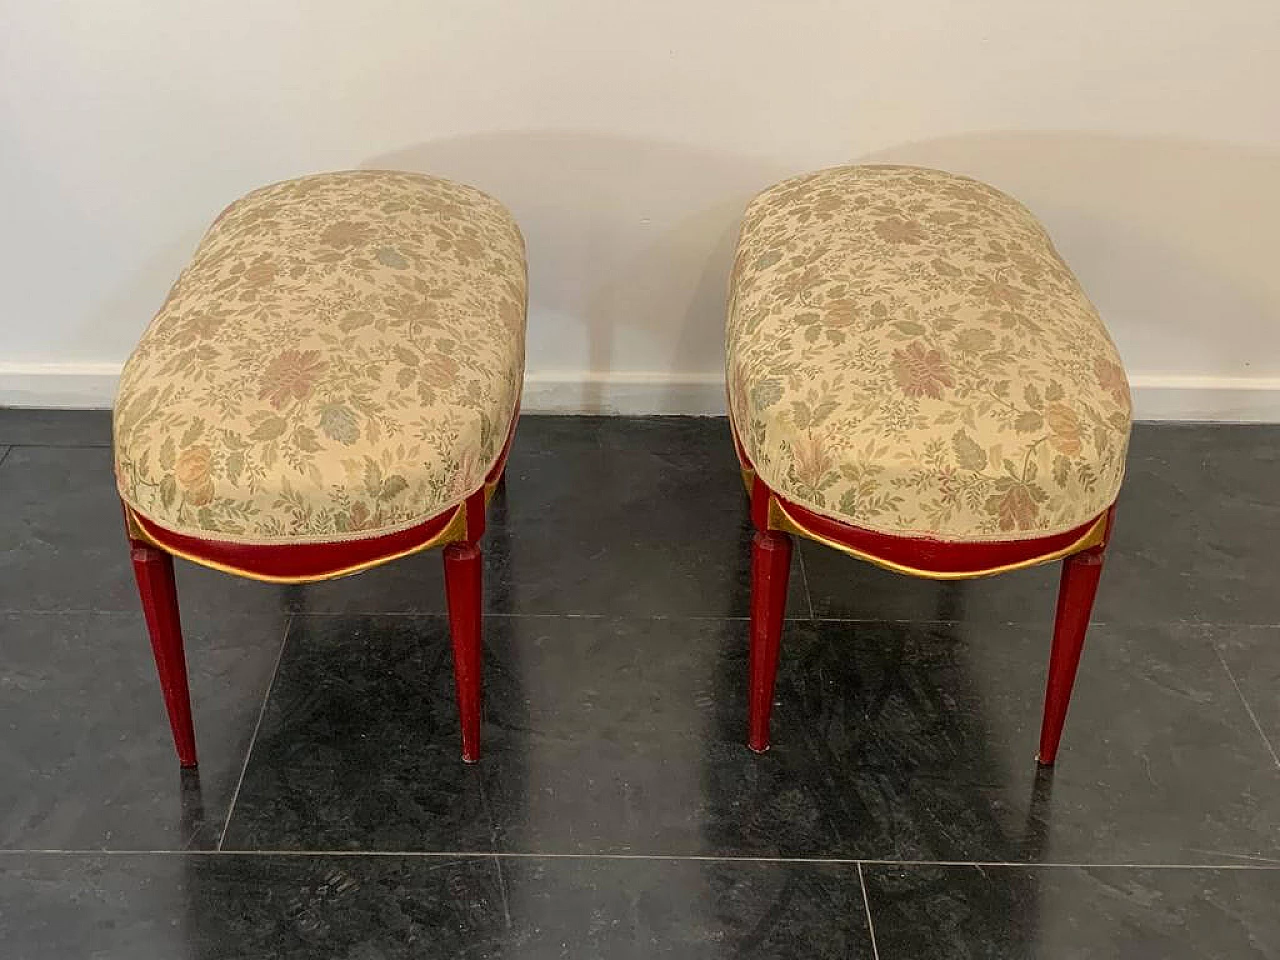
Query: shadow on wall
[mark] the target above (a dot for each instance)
(132, 302)
(629, 242)
(1173, 239)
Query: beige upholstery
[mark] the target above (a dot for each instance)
(908, 354)
(342, 358)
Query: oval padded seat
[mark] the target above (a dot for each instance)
(342, 359)
(908, 355)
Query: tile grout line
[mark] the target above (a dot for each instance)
(866, 904)
(253, 740)
(439, 614)
(1262, 866)
(1247, 706)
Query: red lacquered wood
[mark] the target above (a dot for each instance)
(1079, 584)
(475, 505)
(154, 571)
(462, 574)
(760, 495)
(770, 566)
(297, 561)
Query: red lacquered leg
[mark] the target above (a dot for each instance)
(1080, 574)
(462, 577)
(770, 565)
(154, 571)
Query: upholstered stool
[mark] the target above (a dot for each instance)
(332, 384)
(917, 379)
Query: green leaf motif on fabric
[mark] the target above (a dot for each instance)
(767, 392)
(270, 428)
(339, 422)
(392, 487)
(305, 439)
(969, 453)
(168, 490)
(1028, 421)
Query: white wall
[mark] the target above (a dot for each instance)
(627, 138)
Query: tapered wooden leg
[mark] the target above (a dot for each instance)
(770, 566)
(154, 571)
(462, 576)
(1080, 574)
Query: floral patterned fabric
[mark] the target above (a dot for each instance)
(341, 359)
(908, 354)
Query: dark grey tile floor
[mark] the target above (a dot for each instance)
(616, 813)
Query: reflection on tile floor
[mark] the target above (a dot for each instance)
(616, 812)
(998, 911)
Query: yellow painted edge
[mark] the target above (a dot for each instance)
(779, 519)
(490, 488)
(454, 530)
(134, 529)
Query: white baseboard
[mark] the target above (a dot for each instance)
(88, 386)
(625, 394)
(1229, 399)
(1223, 399)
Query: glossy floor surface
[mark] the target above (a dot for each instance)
(616, 812)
